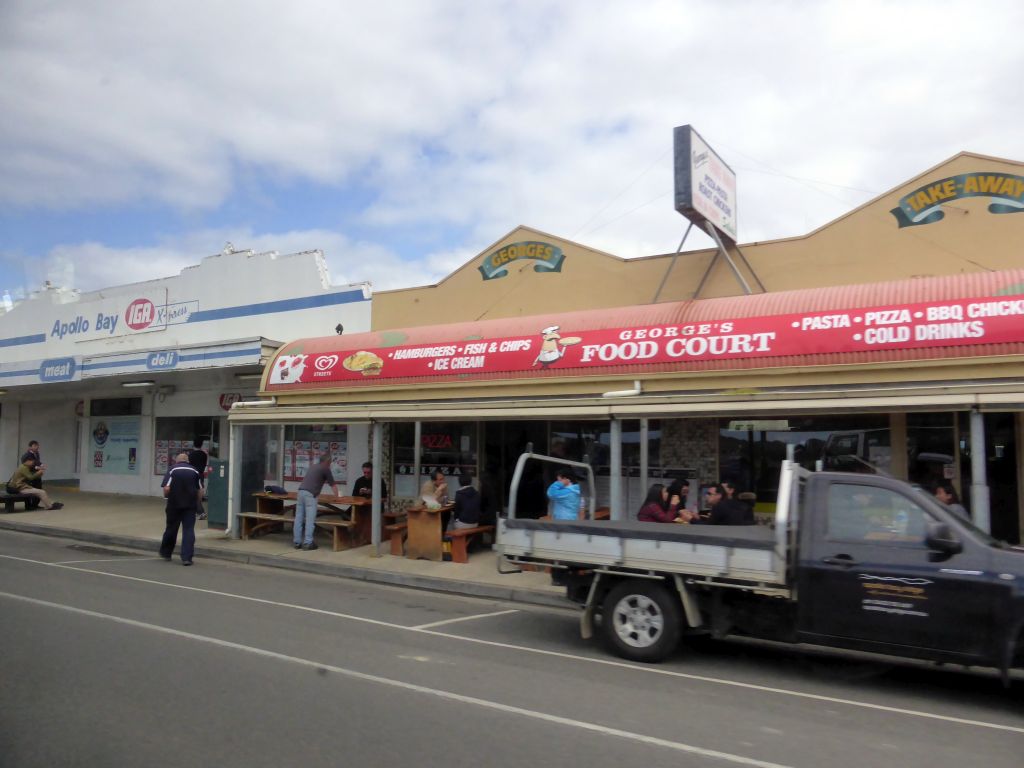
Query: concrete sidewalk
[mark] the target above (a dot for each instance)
(137, 522)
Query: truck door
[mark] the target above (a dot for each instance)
(866, 579)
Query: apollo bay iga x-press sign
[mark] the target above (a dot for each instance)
(705, 185)
(141, 315)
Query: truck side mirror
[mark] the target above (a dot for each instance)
(939, 538)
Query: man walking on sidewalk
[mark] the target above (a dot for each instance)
(318, 476)
(184, 494)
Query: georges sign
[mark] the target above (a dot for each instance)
(548, 258)
(906, 326)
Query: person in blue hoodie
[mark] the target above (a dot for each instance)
(565, 496)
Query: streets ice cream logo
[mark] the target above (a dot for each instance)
(288, 369)
(325, 362)
(552, 346)
(366, 363)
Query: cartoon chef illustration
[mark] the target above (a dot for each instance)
(552, 346)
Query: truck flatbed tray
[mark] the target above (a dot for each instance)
(746, 536)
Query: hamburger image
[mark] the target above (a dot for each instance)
(366, 363)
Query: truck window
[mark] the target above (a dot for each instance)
(864, 513)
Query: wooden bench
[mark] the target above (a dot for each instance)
(459, 539)
(397, 533)
(255, 523)
(10, 499)
(341, 531)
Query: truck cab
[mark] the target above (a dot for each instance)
(884, 567)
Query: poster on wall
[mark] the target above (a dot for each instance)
(302, 449)
(114, 444)
(339, 462)
(161, 457)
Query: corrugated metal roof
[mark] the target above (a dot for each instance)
(819, 300)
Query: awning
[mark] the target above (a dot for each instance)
(225, 354)
(953, 318)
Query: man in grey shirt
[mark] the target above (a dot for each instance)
(318, 476)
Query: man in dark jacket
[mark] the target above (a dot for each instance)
(726, 511)
(363, 485)
(467, 504)
(33, 451)
(183, 492)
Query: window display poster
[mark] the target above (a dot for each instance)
(161, 457)
(301, 450)
(114, 444)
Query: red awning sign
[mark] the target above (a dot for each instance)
(907, 326)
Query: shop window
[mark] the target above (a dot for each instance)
(931, 448)
(116, 406)
(449, 446)
(751, 451)
(304, 444)
(174, 435)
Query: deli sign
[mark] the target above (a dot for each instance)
(934, 324)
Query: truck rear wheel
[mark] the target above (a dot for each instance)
(641, 620)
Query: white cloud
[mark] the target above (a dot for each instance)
(477, 117)
(93, 266)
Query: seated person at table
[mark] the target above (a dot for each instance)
(363, 485)
(434, 492)
(658, 507)
(726, 511)
(946, 493)
(467, 504)
(687, 501)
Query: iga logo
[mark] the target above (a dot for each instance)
(227, 399)
(140, 314)
(325, 362)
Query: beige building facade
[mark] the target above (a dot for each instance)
(891, 340)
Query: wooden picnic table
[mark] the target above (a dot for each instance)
(424, 542)
(347, 517)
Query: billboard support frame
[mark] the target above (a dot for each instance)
(723, 251)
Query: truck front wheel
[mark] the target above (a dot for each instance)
(641, 620)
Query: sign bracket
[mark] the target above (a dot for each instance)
(724, 253)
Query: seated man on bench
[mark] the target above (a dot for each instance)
(363, 486)
(467, 504)
(23, 478)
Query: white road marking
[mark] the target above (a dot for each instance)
(448, 695)
(648, 669)
(463, 618)
(111, 560)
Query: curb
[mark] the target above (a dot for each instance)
(370, 575)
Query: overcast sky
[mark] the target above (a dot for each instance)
(403, 137)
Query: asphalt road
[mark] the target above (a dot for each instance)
(116, 658)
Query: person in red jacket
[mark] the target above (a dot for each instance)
(658, 506)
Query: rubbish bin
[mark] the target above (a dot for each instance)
(217, 494)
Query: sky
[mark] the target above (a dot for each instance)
(402, 138)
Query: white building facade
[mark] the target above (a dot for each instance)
(113, 383)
